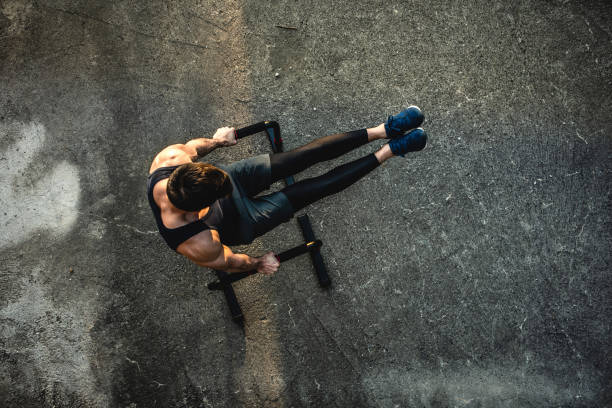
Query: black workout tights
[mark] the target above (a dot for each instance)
(310, 190)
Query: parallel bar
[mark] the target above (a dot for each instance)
(317, 259)
(228, 279)
(273, 131)
(312, 246)
(250, 130)
(274, 136)
(230, 296)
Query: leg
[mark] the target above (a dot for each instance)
(286, 164)
(266, 212)
(310, 190)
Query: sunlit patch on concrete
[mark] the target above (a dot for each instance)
(36, 195)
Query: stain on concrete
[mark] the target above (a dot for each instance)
(36, 198)
(468, 387)
(15, 15)
(53, 343)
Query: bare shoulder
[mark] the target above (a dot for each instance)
(202, 248)
(172, 155)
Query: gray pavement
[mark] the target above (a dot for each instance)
(475, 273)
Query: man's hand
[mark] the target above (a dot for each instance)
(268, 264)
(226, 136)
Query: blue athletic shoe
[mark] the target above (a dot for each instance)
(410, 142)
(409, 118)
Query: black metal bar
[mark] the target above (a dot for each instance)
(250, 130)
(274, 136)
(312, 246)
(317, 259)
(228, 279)
(230, 297)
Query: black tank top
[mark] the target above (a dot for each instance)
(216, 218)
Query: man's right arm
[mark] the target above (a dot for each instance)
(218, 256)
(230, 262)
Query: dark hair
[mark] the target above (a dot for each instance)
(194, 186)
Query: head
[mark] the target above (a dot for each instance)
(194, 186)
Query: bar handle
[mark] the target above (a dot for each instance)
(226, 279)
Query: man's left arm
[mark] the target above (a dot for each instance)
(224, 136)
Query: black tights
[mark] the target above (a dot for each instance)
(308, 191)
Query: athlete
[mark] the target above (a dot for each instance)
(201, 208)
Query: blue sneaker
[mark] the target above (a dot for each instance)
(410, 142)
(409, 118)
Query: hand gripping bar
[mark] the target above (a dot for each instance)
(282, 257)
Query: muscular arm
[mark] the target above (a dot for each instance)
(205, 249)
(201, 147)
(184, 153)
(224, 136)
(230, 262)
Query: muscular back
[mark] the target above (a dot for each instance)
(204, 246)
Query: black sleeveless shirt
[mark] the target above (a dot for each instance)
(221, 216)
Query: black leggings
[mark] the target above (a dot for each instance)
(310, 190)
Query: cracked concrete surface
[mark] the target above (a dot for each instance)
(473, 274)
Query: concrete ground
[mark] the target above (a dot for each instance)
(475, 273)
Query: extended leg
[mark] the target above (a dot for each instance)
(310, 190)
(326, 148)
(272, 209)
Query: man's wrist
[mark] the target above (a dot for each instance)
(256, 262)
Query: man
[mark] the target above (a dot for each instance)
(201, 208)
